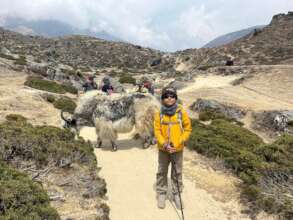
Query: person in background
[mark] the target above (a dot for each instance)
(89, 84)
(146, 86)
(107, 87)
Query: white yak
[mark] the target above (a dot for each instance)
(116, 113)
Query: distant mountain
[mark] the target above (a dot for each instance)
(50, 28)
(228, 38)
(272, 45)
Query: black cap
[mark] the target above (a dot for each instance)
(169, 91)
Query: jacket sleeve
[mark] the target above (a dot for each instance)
(186, 123)
(157, 130)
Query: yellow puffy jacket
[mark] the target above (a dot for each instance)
(168, 129)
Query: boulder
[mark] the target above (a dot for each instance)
(276, 121)
(229, 110)
(38, 68)
(177, 84)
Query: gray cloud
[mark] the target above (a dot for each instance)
(161, 24)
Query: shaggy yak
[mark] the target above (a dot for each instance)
(117, 113)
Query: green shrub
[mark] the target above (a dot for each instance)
(43, 144)
(21, 198)
(47, 85)
(225, 140)
(68, 71)
(8, 57)
(65, 104)
(205, 67)
(252, 160)
(127, 79)
(21, 61)
(114, 74)
(69, 88)
(210, 115)
(16, 118)
(50, 98)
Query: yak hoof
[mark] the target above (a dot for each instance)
(114, 147)
(146, 145)
(99, 144)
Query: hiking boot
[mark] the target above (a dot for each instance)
(177, 201)
(161, 201)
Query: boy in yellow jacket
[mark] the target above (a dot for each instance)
(172, 128)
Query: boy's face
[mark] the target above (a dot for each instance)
(169, 100)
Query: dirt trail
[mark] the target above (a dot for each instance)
(130, 175)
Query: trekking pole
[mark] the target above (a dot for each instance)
(177, 182)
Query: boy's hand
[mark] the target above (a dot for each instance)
(170, 148)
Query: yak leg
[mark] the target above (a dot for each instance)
(99, 143)
(147, 142)
(114, 146)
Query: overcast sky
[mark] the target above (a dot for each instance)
(161, 24)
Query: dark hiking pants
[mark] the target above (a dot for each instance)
(162, 175)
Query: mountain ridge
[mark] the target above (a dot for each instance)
(51, 28)
(232, 36)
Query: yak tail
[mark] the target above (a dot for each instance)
(62, 116)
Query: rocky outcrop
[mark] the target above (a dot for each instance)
(229, 110)
(177, 84)
(274, 121)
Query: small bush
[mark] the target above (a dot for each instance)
(205, 67)
(69, 71)
(21, 61)
(65, 104)
(8, 57)
(114, 74)
(16, 118)
(127, 79)
(50, 98)
(210, 115)
(70, 89)
(50, 86)
(21, 198)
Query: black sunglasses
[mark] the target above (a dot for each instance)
(169, 96)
